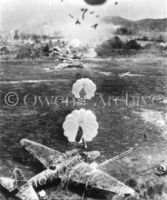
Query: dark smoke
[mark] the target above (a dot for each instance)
(95, 2)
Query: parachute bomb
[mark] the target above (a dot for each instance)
(95, 2)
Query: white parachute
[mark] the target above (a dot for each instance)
(84, 84)
(84, 119)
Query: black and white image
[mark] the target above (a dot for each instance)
(83, 99)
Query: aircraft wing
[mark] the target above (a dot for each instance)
(8, 183)
(27, 192)
(46, 156)
(94, 178)
(105, 163)
(136, 162)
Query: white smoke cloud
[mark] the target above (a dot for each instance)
(30, 15)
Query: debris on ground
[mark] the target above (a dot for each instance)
(69, 65)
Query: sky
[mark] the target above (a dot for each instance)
(47, 16)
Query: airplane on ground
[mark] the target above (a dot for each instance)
(75, 167)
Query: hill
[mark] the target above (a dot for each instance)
(158, 25)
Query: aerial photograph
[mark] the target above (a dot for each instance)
(83, 100)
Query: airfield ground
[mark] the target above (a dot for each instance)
(121, 125)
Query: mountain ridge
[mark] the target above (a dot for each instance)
(147, 24)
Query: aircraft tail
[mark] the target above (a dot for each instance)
(18, 177)
(14, 182)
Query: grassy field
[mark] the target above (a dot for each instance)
(120, 125)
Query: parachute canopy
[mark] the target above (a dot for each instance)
(84, 85)
(95, 2)
(84, 119)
